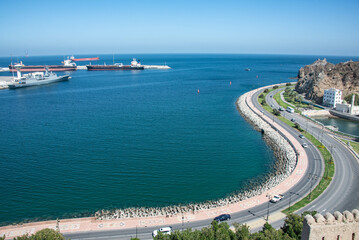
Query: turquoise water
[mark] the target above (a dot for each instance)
(345, 126)
(118, 139)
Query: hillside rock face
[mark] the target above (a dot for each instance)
(313, 79)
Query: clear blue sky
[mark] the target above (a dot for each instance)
(197, 26)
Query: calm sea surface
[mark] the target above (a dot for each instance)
(133, 138)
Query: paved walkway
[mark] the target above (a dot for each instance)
(90, 224)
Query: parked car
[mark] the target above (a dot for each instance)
(222, 217)
(276, 198)
(304, 145)
(164, 230)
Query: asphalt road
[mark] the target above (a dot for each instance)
(342, 194)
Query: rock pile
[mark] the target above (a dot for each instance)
(285, 164)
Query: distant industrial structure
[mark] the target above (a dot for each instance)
(337, 226)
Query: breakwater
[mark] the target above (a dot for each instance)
(284, 165)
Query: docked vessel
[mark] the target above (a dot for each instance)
(72, 58)
(68, 65)
(35, 79)
(135, 65)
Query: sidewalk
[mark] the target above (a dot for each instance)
(90, 224)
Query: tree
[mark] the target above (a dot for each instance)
(266, 90)
(288, 84)
(270, 233)
(261, 95)
(293, 226)
(44, 234)
(267, 226)
(275, 87)
(242, 231)
(264, 102)
(348, 99)
(276, 112)
(297, 126)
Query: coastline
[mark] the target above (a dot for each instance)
(289, 171)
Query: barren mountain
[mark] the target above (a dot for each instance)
(313, 79)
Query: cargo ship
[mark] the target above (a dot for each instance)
(72, 58)
(135, 65)
(68, 65)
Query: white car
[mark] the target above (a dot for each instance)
(304, 145)
(276, 198)
(164, 230)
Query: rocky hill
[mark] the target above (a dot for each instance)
(313, 79)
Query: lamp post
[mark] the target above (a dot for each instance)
(182, 221)
(58, 225)
(311, 177)
(268, 196)
(331, 151)
(306, 125)
(290, 199)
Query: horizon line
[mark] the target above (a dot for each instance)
(188, 53)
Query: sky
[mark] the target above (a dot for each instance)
(309, 27)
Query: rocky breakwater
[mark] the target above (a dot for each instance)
(313, 79)
(285, 164)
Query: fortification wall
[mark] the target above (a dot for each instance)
(331, 226)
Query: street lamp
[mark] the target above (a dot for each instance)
(312, 177)
(268, 196)
(182, 221)
(290, 199)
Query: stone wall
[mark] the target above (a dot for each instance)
(344, 115)
(337, 226)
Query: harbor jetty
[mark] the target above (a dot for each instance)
(5, 81)
(81, 67)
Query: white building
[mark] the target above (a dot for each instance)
(331, 97)
(348, 108)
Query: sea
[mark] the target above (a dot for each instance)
(118, 139)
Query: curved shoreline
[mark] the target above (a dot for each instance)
(289, 170)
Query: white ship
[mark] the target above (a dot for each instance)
(35, 79)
